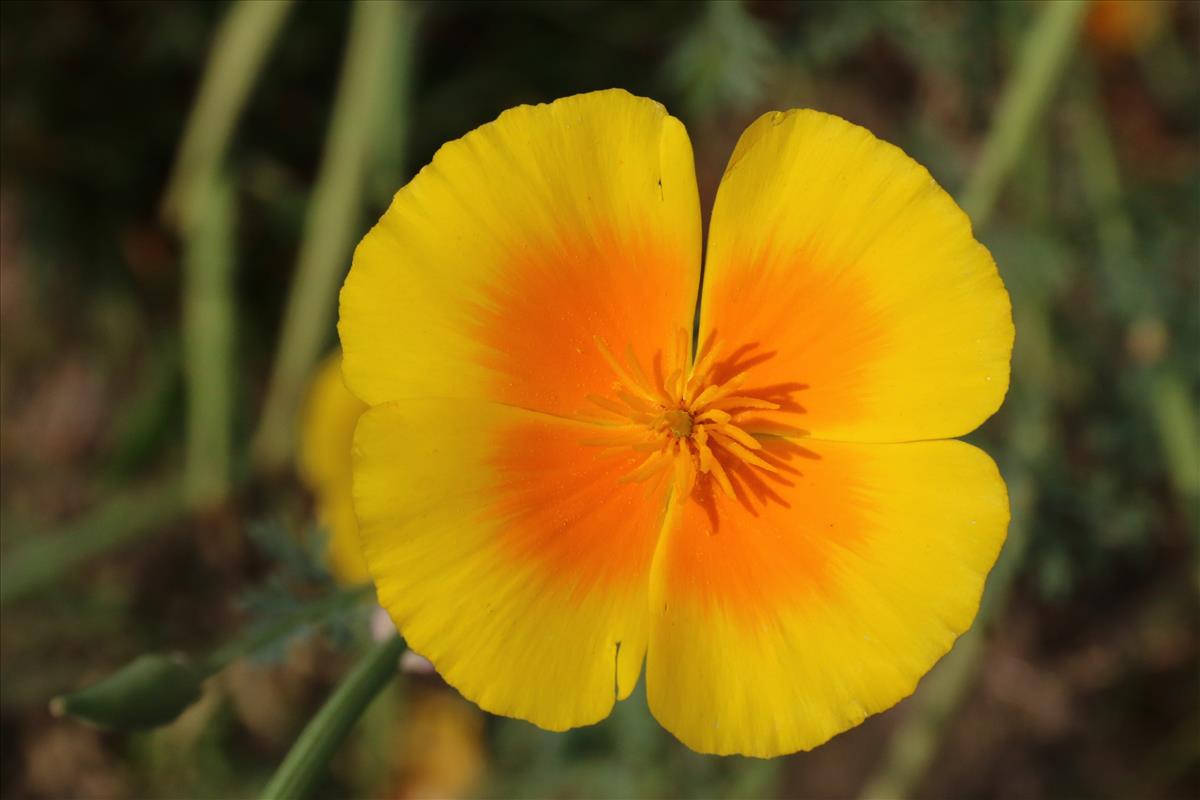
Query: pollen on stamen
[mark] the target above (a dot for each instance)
(686, 420)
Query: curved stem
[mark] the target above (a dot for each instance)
(235, 61)
(48, 555)
(209, 341)
(1040, 64)
(305, 764)
(377, 31)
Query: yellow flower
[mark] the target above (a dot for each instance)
(326, 435)
(552, 488)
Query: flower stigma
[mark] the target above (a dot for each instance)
(686, 422)
(678, 422)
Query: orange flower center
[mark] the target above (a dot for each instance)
(685, 421)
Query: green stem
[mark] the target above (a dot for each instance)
(1174, 413)
(239, 48)
(305, 764)
(1040, 65)
(333, 221)
(1100, 180)
(389, 140)
(208, 343)
(145, 425)
(47, 556)
(1170, 408)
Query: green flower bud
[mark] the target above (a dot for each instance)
(150, 691)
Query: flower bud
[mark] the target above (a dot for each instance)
(150, 691)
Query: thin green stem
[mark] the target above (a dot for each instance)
(239, 48)
(1040, 63)
(48, 555)
(305, 764)
(389, 141)
(208, 343)
(144, 426)
(1171, 410)
(333, 220)
(1100, 180)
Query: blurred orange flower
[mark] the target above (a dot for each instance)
(1124, 26)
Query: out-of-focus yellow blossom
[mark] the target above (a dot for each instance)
(326, 438)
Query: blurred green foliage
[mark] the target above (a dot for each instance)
(1096, 236)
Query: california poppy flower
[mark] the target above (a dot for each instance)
(565, 473)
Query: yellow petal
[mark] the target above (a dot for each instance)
(854, 286)
(819, 595)
(509, 552)
(498, 268)
(326, 439)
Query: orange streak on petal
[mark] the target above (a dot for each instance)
(810, 363)
(764, 543)
(568, 507)
(554, 300)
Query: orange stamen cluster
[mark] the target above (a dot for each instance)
(686, 421)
